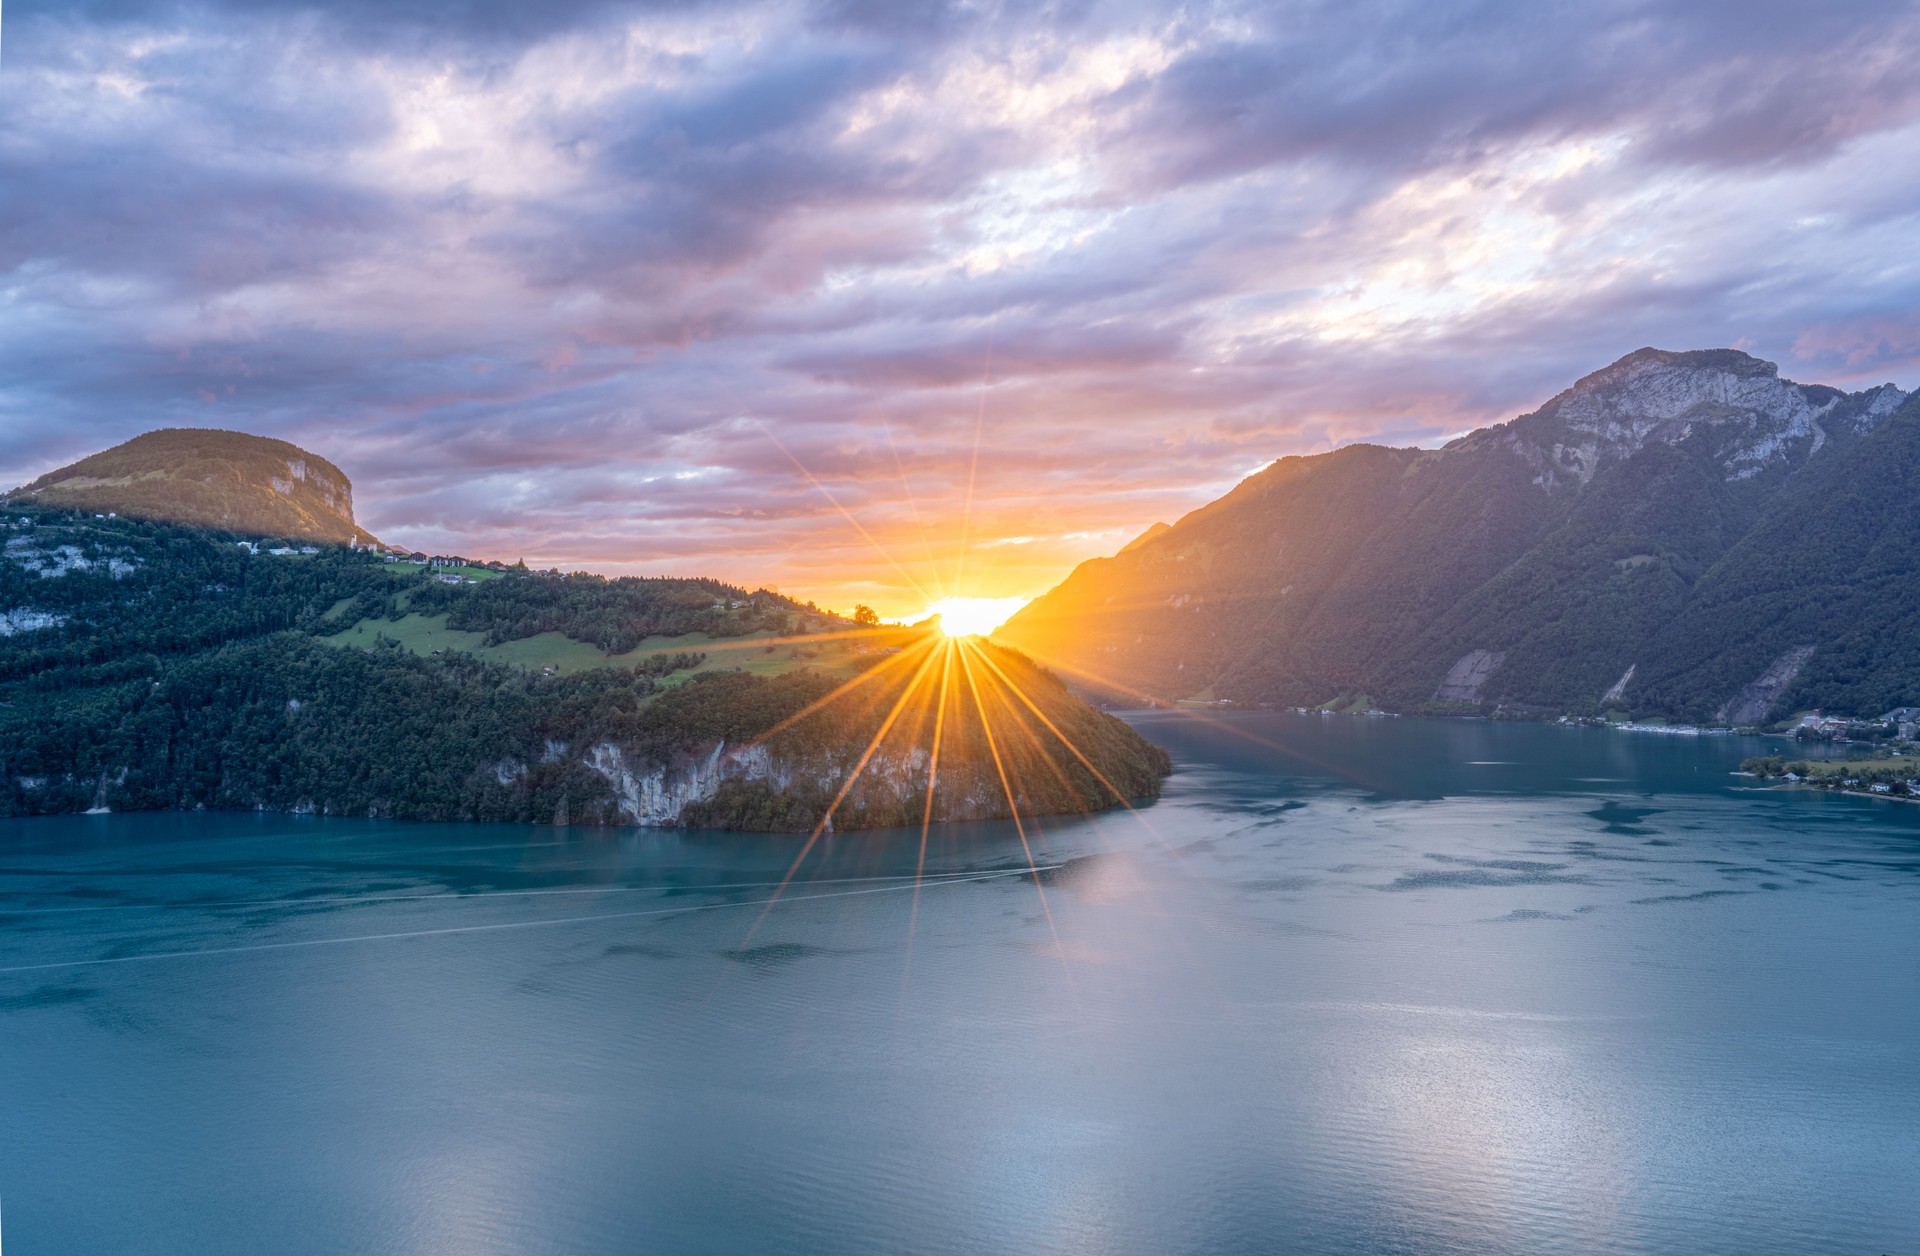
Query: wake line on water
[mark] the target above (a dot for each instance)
(515, 924)
(457, 896)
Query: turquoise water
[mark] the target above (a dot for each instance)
(1350, 987)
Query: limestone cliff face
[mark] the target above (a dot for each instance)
(891, 787)
(663, 796)
(660, 795)
(1737, 406)
(1656, 537)
(1011, 738)
(227, 481)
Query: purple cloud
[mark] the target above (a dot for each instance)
(583, 280)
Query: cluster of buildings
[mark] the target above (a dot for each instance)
(1909, 788)
(253, 547)
(446, 568)
(1899, 724)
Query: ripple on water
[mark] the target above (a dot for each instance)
(1216, 1034)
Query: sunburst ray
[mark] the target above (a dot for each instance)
(1119, 795)
(948, 649)
(1014, 686)
(1202, 718)
(846, 787)
(973, 469)
(913, 504)
(997, 685)
(820, 704)
(849, 516)
(1013, 805)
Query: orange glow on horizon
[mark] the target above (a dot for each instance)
(973, 616)
(949, 555)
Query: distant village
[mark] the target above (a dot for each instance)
(1898, 726)
(447, 568)
(1889, 768)
(1898, 729)
(1878, 755)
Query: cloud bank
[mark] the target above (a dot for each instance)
(680, 286)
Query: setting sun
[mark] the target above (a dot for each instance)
(974, 616)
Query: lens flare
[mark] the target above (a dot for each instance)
(913, 659)
(974, 616)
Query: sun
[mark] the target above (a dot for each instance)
(974, 616)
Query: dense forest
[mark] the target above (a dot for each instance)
(614, 614)
(147, 666)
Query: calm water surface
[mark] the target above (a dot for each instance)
(1350, 987)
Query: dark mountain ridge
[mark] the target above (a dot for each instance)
(1679, 534)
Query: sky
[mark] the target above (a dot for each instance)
(879, 300)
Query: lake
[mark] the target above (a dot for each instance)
(1351, 986)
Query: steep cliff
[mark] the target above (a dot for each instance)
(227, 481)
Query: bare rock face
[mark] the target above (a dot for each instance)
(1755, 700)
(1737, 404)
(1466, 677)
(1618, 689)
(226, 481)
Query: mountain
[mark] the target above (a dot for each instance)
(227, 481)
(1684, 535)
(150, 666)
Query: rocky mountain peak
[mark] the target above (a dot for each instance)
(1734, 402)
(1651, 361)
(226, 481)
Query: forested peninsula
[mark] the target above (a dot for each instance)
(149, 665)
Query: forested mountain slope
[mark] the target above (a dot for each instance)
(1680, 534)
(147, 666)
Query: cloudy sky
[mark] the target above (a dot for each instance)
(669, 287)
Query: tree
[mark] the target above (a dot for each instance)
(866, 617)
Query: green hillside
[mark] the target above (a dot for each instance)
(761, 652)
(147, 666)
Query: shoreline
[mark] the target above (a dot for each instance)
(1797, 786)
(1189, 707)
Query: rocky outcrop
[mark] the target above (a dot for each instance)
(1618, 690)
(1751, 417)
(1466, 677)
(50, 562)
(226, 481)
(658, 796)
(1756, 699)
(25, 619)
(891, 784)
